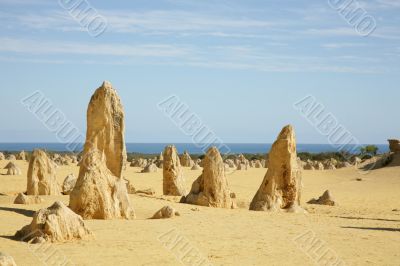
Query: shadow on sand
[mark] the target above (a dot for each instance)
(373, 228)
(27, 213)
(363, 218)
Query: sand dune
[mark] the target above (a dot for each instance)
(362, 230)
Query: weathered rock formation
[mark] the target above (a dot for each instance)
(54, 224)
(173, 181)
(166, 213)
(98, 194)
(42, 175)
(211, 188)
(106, 127)
(325, 199)
(13, 169)
(150, 168)
(69, 184)
(186, 160)
(281, 188)
(27, 200)
(21, 156)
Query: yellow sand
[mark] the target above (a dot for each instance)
(362, 230)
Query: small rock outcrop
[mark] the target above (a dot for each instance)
(211, 188)
(27, 200)
(186, 160)
(42, 175)
(281, 188)
(13, 169)
(166, 213)
(2, 157)
(325, 199)
(69, 184)
(150, 168)
(21, 156)
(54, 224)
(173, 181)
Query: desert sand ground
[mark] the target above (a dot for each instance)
(362, 230)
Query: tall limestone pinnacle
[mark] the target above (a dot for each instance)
(106, 127)
(100, 191)
(281, 188)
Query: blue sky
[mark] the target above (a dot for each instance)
(240, 65)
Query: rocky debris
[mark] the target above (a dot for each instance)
(325, 199)
(173, 181)
(6, 260)
(13, 169)
(166, 213)
(148, 191)
(55, 224)
(69, 184)
(281, 188)
(27, 200)
(42, 178)
(211, 188)
(150, 168)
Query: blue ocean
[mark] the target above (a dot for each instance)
(155, 148)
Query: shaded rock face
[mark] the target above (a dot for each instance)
(394, 145)
(173, 181)
(211, 188)
(325, 199)
(13, 169)
(21, 156)
(106, 127)
(42, 175)
(166, 213)
(54, 224)
(27, 200)
(6, 260)
(98, 194)
(150, 168)
(281, 188)
(186, 160)
(69, 184)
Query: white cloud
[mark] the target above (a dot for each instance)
(58, 47)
